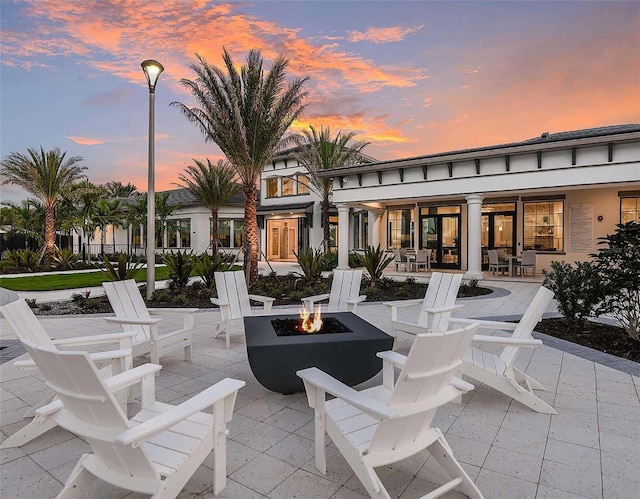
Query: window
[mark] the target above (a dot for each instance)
(400, 228)
(227, 228)
(629, 209)
(272, 187)
(361, 229)
(303, 183)
(544, 225)
(287, 186)
(179, 233)
(333, 232)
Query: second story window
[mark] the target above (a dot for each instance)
(272, 187)
(287, 186)
(303, 183)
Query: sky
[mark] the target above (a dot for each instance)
(412, 78)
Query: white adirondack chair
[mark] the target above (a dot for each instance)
(345, 292)
(158, 450)
(437, 306)
(28, 328)
(387, 423)
(497, 371)
(233, 300)
(132, 314)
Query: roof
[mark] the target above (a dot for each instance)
(291, 151)
(546, 141)
(279, 208)
(184, 197)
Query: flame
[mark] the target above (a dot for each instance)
(309, 325)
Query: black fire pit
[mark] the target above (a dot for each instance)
(349, 356)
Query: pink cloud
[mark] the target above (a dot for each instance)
(85, 141)
(384, 35)
(427, 101)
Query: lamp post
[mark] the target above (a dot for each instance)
(152, 70)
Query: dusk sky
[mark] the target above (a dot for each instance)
(410, 77)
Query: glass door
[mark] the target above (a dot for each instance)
(441, 234)
(498, 232)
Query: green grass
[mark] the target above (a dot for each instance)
(69, 281)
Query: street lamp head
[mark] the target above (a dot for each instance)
(152, 70)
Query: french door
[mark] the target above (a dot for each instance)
(498, 232)
(441, 233)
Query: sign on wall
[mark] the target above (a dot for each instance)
(581, 228)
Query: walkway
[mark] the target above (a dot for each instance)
(590, 449)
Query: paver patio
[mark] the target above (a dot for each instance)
(590, 449)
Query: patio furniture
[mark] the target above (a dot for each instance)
(392, 422)
(233, 300)
(528, 261)
(345, 289)
(400, 258)
(423, 259)
(436, 307)
(497, 371)
(156, 451)
(496, 264)
(133, 315)
(348, 356)
(28, 328)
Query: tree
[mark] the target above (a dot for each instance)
(318, 152)
(45, 175)
(26, 218)
(86, 196)
(163, 211)
(246, 114)
(119, 190)
(213, 185)
(107, 212)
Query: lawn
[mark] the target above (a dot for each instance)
(69, 281)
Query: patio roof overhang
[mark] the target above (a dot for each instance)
(286, 208)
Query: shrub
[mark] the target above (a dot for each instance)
(65, 258)
(374, 262)
(31, 302)
(180, 299)
(180, 265)
(127, 267)
(11, 258)
(329, 261)
(206, 266)
(576, 290)
(617, 264)
(161, 296)
(372, 293)
(311, 261)
(354, 260)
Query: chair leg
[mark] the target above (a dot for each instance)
(187, 353)
(443, 454)
(78, 482)
(34, 429)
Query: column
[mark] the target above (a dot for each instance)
(343, 236)
(474, 239)
(374, 227)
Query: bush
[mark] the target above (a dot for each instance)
(127, 267)
(354, 260)
(329, 261)
(374, 262)
(311, 262)
(31, 302)
(206, 266)
(617, 264)
(180, 265)
(577, 290)
(65, 258)
(161, 296)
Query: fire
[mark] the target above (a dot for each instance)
(308, 324)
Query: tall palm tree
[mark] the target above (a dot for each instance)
(246, 114)
(45, 175)
(319, 152)
(86, 195)
(213, 185)
(163, 211)
(120, 190)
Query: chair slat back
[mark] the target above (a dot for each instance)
(529, 258)
(232, 288)
(25, 324)
(422, 255)
(433, 360)
(441, 292)
(90, 409)
(345, 285)
(493, 257)
(531, 317)
(126, 302)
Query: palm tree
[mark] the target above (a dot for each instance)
(107, 212)
(163, 211)
(26, 218)
(318, 152)
(86, 195)
(119, 190)
(45, 175)
(213, 185)
(246, 114)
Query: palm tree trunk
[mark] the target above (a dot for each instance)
(215, 235)
(49, 231)
(326, 233)
(250, 244)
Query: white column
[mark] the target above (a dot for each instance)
(343, 236)
(374, 227)
(474, 239)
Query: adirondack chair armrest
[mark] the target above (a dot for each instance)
(359, 299)
(310, 300)
(501, 340)
(397, 359)
(219, 302)
(460, 384)
(408, 327)
(329, 384)
(97, 339)
(403, 303)
(25, 364)
(441, 310)
(111, 354)
(505, 326)
(49, 409)
(131, 377)
(138, 322)
(195, 404)
(153, 311)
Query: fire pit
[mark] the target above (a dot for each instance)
(345, 347)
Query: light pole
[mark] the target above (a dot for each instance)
(152, 70)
